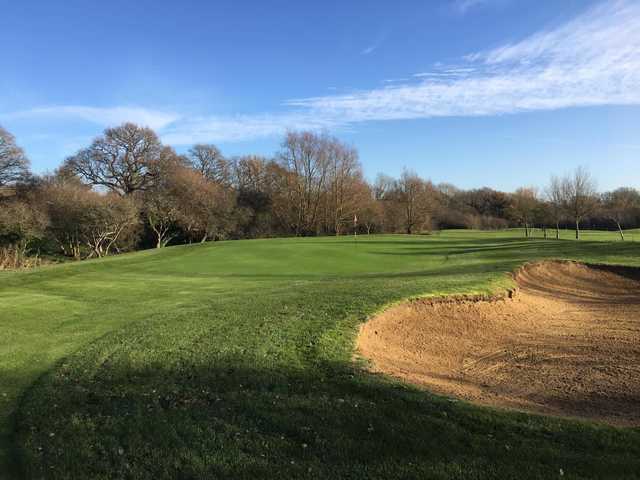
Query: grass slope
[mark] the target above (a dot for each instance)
(234, 359)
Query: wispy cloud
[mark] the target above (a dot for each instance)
(592, 60)
(440, 72)
(379, 40)
(463, 6)
(369, 49)
(241, 127)
(101, 116)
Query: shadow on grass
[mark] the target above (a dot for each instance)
(427, 240)
(229, 419)
(524, 249)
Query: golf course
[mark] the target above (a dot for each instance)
(237, 359)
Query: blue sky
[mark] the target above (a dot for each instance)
(473, 92)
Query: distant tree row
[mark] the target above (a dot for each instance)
(128, 191)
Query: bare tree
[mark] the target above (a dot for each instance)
(345, 185)
(523, 207)
(161, 213)
(370, 212)
(555, 197)
(107, 218)
(415, 195)
(250, 173)
(260, 195)
(65, 201)
(448, 190)
(124, 159)
(579, 196)
(620, 206)
(304, 157)
(386, 193)
(209, 161)
(205, 208)
(14, 165)
(84, 222)
(21, 225)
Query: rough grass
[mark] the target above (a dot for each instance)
(234, 360)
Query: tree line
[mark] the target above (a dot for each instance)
(127, 191)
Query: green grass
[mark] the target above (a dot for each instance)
(589, 235)
(234, 360)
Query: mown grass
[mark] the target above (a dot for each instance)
(632, 235)
(235, 360)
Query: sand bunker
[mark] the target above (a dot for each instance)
(567, 343)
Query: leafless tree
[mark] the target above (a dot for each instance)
(124, 159)
(621, 205)
(14, 165)
(304, 157)
(415, 195)
(523, 207)
(161, 213)
(21, 224)
(386, 193)
(126, 180)
(263, 207)
(579, 196)
(555, 197)
(370, 212)
(107, 218)
(205, 208)
(448, 190)
(84, 222)
(250, 173)
(65, 201)
(345, 186)
(209, 161)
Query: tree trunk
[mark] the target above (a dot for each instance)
(577, 229)
(161, 243)
(557, 230)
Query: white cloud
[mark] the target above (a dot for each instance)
(369, 49)
(378, 41)
(462, 6)
(440, 72)
(592, 60)
(241, 127)
(102, 116)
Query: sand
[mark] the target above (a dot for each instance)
(567, 343)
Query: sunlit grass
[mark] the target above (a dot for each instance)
(226, 359)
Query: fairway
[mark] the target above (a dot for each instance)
(236, 359)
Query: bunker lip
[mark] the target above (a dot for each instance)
(565, 342)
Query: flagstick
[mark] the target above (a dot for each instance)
(355, 229)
